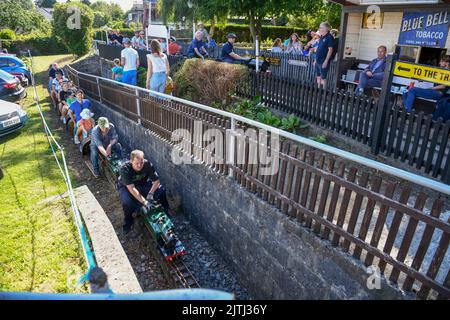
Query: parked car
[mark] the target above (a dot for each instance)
(12, 117)
(11, 64)
(22, 78)
(10, 87)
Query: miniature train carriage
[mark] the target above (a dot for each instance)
(162, 230)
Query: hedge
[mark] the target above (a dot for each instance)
(37, 45)
(221, 31)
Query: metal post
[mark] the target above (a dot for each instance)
(138, 105)
(232, 146)
(257, 53)
(383, 106)
(98, 88)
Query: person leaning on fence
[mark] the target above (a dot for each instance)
(294, 45)
(104, 139)
(139, 185)
(134, 39)
(228, 54)
(197, 47)
(323, 54)
(98, 281)
(158, 68)
(435, 93)
(277, 47)
(130, 63)
(372, 76)
(117, 70)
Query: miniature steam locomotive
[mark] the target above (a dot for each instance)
(155, 218)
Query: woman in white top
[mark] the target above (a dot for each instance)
(294, 46)
(158, 68)
(277, 46)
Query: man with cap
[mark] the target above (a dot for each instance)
(227, 50)
(130, 63)
(104, 139)
(139, 185)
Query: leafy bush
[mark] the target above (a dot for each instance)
(77, 39)
(320, 138)
(243, 32)
(7, 34)
(39, 43)
(141, 77)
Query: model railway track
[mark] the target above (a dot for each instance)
(181, 274)
(176, 270)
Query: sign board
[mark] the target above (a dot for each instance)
(298, 63)
(157, 31)
(272, 61)
(421, 72)
(424, 28)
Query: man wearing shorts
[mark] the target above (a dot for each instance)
(323, 54)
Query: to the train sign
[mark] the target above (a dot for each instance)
(420, 72)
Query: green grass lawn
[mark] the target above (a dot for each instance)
(40, 249)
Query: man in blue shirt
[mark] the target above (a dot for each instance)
(197, 47)
(324, 53)
(78, 105)
(227, 50)
(373, 75)
(104, 139)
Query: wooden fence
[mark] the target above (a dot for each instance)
(290, 66)
(393, 227)
(413, 138)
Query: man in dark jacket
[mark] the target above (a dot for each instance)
(373, 75)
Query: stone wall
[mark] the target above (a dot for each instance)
(272, 254)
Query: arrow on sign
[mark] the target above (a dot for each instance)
(400, 68)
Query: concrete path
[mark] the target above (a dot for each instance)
(108, 251)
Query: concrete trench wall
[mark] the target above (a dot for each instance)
(272, 254)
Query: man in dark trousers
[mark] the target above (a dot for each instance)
(139, 185)
(228, 54)
(373, 75)
(324, 54)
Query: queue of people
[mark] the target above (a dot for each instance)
(138, 183)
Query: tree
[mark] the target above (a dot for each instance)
(111, 10)
(20, 16)
(46, 3)
(100, 19)
(76, 37)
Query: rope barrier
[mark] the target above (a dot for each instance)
(88, 253)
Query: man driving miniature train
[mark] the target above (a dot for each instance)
(139, 186)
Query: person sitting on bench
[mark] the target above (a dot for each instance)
(104, 139)
(138, 186)
(373, 75)
(228, 54)
(435, 93)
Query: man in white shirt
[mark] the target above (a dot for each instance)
(130, 63)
